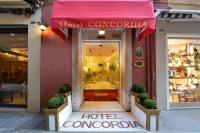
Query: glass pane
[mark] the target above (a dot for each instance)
(101, 66)
(184, 70)
(13, 68)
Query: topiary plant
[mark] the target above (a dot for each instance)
(54, 102)
(138, 52)
(150, 104)
(138, 88)
(142, 97)
(64, 88)
(113, 67)
(62, 99)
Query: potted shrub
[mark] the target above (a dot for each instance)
(64, 90)
(55, 102)
(137, 89)
(142, 97)
(145, 110)
(113, 67)
(139, 52)
(56, 110)
(150, 104)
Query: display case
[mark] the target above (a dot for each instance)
(184, 71)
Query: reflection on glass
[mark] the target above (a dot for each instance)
(13, 70)
(101, 66)
(184, 70)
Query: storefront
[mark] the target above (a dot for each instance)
(94, 50)
(177, 57)
(20, 43)
(13, 66)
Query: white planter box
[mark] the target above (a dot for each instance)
(149, 118)
(55, 118)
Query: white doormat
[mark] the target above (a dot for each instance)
(102, 122)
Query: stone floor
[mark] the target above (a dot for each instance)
(177, 121)
(102, 121)
(101, 106)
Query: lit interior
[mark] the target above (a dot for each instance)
(101, 66)
(184, 70)
(13, 69)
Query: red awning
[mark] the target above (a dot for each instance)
(104, 14)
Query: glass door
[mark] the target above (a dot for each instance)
(13, 65)
(101, 70)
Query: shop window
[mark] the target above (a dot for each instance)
(13, 65)
(184, 70)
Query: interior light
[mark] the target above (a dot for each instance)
(13, 35)
(102, 32)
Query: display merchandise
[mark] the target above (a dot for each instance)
(184, 70)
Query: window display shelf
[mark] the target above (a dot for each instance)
(180, 66)
(173, 54)
(184, 71)
(183, 78)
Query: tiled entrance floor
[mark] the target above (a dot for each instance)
(102, 122)
(101, 106)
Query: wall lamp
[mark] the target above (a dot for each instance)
(43, 26)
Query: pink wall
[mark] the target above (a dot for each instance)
(138, 74)
(145, 75)
(56, 60)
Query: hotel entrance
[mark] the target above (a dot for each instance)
(98, 22)
(98, 57)
(100, 73)
(101, 70)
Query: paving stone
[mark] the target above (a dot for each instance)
(173, 121)
(187, 120)
(33, 122)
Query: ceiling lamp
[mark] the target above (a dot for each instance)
(12, 34)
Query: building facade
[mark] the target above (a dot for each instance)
(53, 61)
(177, 30)
(20, 27)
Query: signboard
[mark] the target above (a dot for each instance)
(101, 121)
(104, 14)
(100, 24)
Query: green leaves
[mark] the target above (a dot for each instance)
(113, 67)
(55, 102)
(142, 97)
(150, 104)
(138, 52)
(138, 88)
(64, 88)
